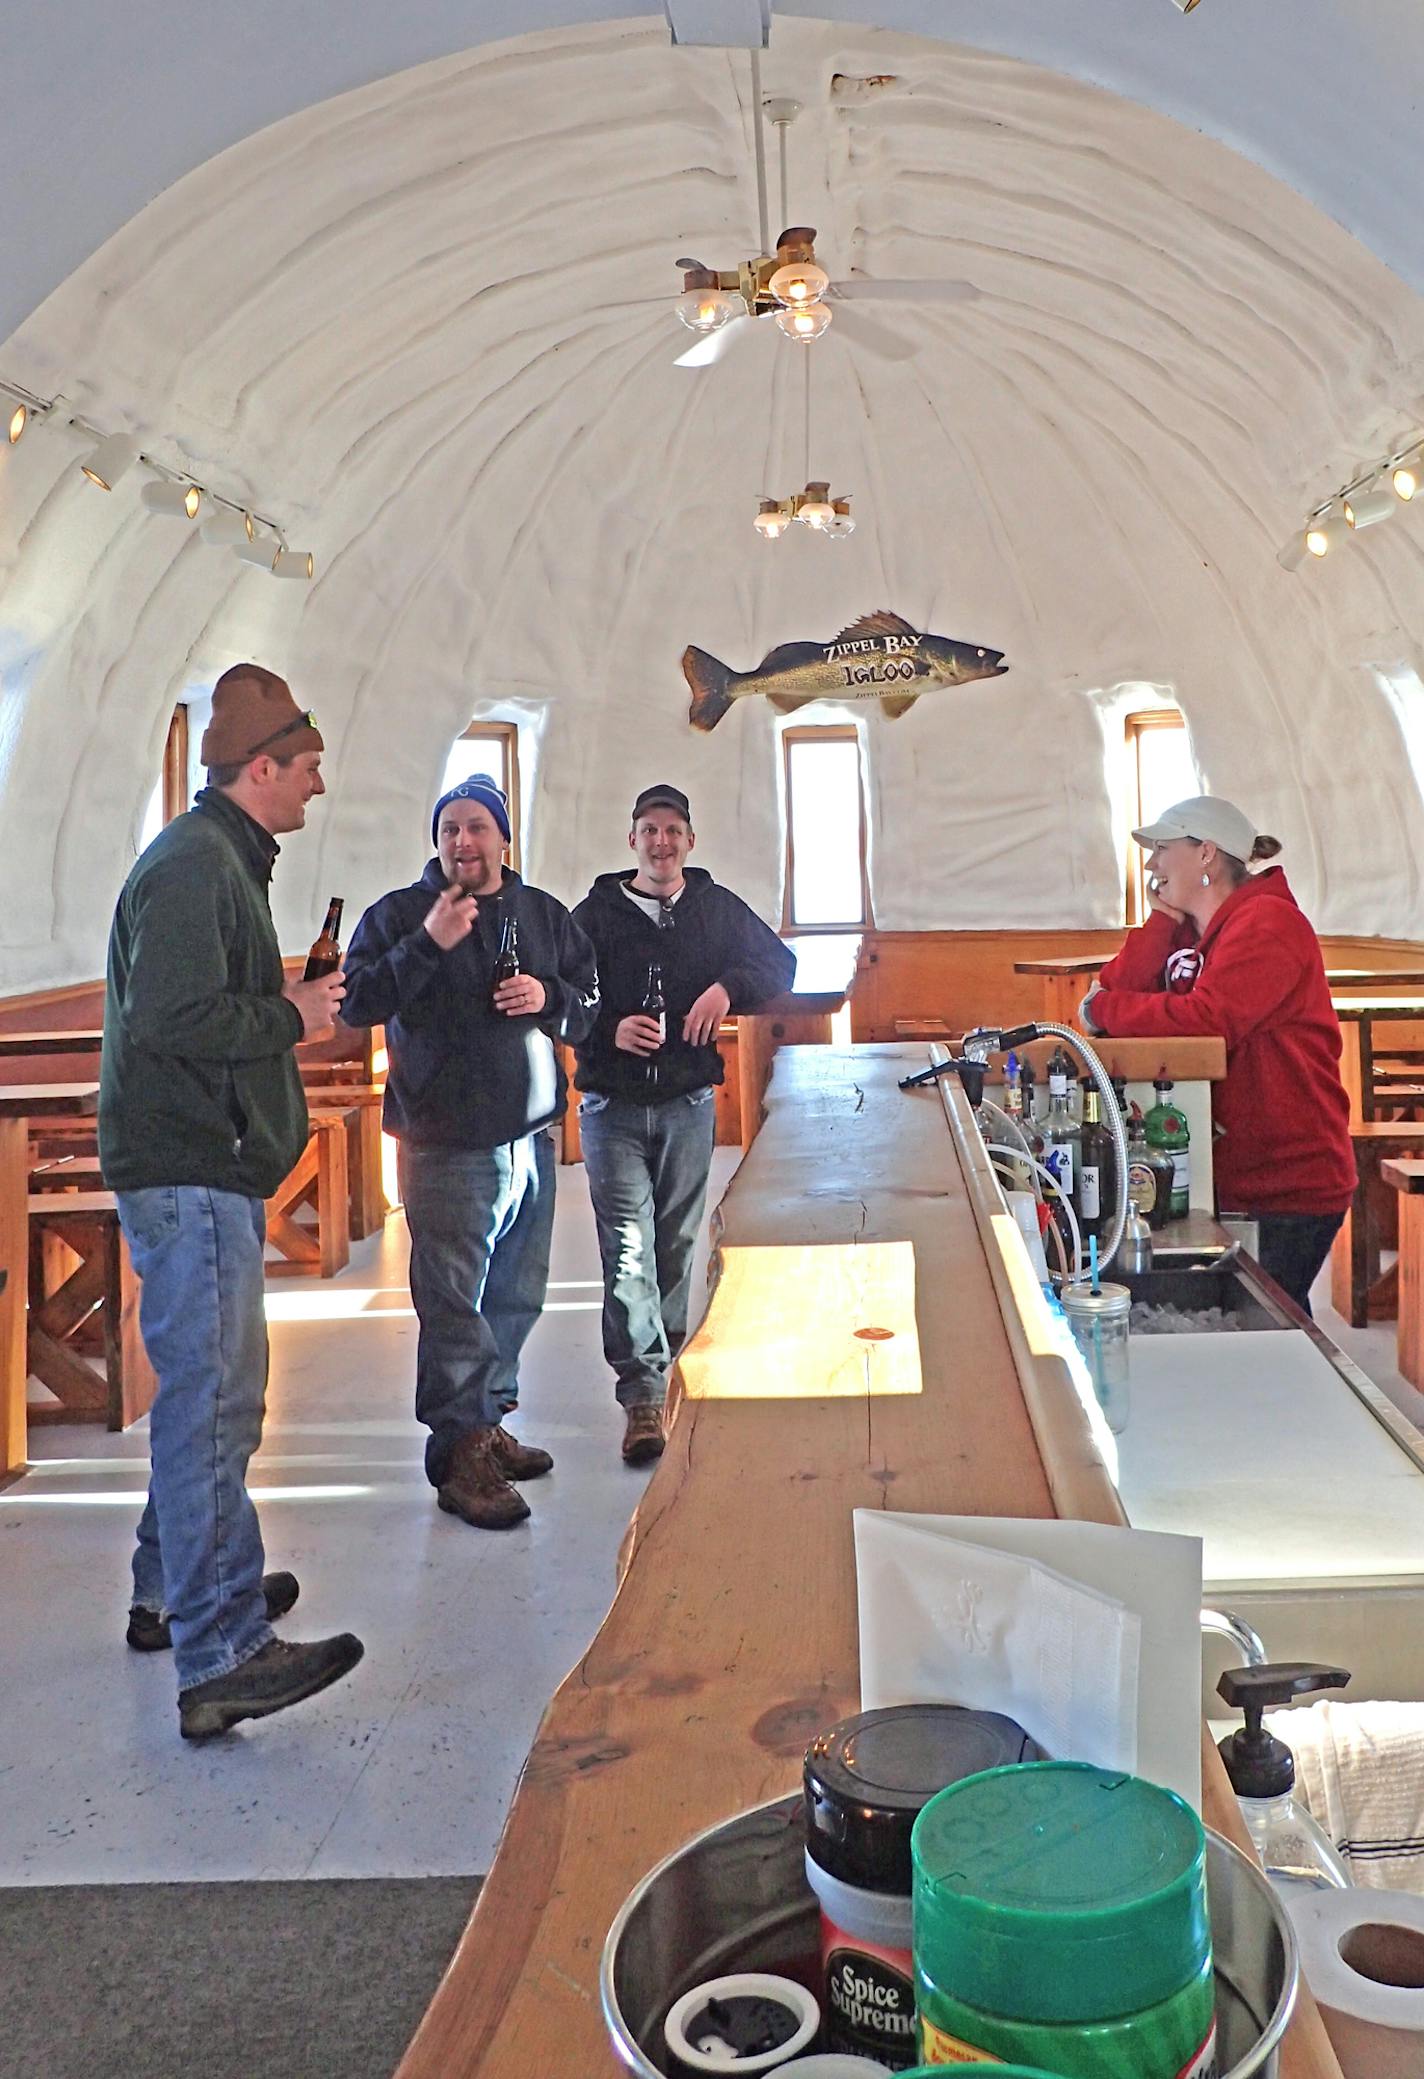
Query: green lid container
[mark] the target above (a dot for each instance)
(1056, 1892)
(1000, 2071)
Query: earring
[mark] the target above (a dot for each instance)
(1206, 880)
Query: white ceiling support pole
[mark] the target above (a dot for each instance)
(733, 25)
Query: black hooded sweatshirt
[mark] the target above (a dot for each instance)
(464, 1075)
(713, 937)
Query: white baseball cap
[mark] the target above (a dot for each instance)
(1204, 816)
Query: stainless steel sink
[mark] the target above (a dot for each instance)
(1210, 1284)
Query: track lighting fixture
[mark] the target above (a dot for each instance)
(111, 461)
(229, 530)
(19, 419)
(294, 563)
(264, 551)
(180, 501)
(1367, 508)
(1326, 532)
(1406, 476)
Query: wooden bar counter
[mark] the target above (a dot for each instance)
(732, 1638)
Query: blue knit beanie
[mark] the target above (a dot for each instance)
(478, 787)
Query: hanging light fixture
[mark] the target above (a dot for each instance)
(774, 516)
(705, 305)
(179, 501)
(110, 461)
(798, 280)
(815, 508)
(840, 524)
(805, 323)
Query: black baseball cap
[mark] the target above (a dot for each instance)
(663, 796)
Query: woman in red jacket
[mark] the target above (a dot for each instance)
(1227, 951)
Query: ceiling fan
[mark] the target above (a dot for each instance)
(792, 288)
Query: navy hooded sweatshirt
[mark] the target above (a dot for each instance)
(464, 1075)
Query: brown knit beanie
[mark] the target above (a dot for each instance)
(253, 710)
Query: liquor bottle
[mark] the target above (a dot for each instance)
(1097, 1177)
(325, 955)
(1062, 1142)
(506, 960)
(1061, 1065)
(654, 1005)
(1026, 1095)
(1149, 1174)
(1166, 1127)
(1013, 1089)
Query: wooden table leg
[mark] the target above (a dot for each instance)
(14, 1258)
(1411, 1288)
(1351, 1077)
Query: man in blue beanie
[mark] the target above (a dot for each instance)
(475, 975)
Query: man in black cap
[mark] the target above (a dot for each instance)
(475, 975)
(666, 930)
(201, 1115)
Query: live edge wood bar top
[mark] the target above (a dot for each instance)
(732, 1637)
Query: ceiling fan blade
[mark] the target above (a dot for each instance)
(858, 288)
(876, 338)
(711, 347)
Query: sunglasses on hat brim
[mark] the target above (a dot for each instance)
(305, 720)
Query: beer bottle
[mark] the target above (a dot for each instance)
(654, 1005)
(325, 955)
(506, 960)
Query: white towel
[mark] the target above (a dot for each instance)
(1360, 1772)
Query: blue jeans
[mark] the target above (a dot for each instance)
(199, 1552)
(1292, 1248)
(481, 1221)
(647, 1175)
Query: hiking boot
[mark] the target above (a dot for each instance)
(475, 1486)
(519, 1461)
(643, 1437)
(277, 1675)
(148, 1630)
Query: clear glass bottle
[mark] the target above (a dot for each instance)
(1062, 1144)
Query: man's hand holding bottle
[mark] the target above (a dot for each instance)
(317, 1001)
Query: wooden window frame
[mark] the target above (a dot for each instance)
(175, 766)
(833, 732)
(508, 735)
(1135, 727)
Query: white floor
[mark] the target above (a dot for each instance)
(407, 1767)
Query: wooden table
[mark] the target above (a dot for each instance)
(733, 1636)
(1407, 1178)
(801, 1016)
(1066, 982)
(19, 1103)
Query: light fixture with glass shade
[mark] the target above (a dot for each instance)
(797, 279)
(814, 506)
(840, 523)
(706, 304)
(774, 516)
(806, 323)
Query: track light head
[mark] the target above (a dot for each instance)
(19, 419)
(179, 501)
(1367, 508)
(229, 530)
(264, 551)
(294, 563)
(110, 461)
(1326, 532)
(1407, 476)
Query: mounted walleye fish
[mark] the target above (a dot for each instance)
(879, 657)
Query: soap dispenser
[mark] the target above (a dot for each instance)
(1296, 1852)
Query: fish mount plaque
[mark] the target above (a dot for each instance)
(879, 657)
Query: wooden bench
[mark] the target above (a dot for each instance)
(1358, 1289)
(1406, 1175)
(320, 1181)
(67, 1299)
(67, 1173)
(362, 1105)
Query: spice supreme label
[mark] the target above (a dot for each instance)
(938, 2048)
(870, 2007)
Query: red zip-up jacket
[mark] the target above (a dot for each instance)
(1256, 977)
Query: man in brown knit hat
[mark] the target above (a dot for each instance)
(201, 1115)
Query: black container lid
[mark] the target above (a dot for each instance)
(868, 1778)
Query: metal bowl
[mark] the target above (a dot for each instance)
(736, 1899)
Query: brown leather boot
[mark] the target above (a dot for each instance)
(519, 1461)
(643, 1437)
(475, 1486)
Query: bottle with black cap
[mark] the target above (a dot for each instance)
(867, 1780)
(1296, 1853)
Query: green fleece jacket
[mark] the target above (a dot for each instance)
(199, 1083)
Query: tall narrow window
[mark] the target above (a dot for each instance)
(827, 888)
(1160, 770)
(491, 747)
(170, 796)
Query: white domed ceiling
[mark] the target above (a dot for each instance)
(428, 326)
